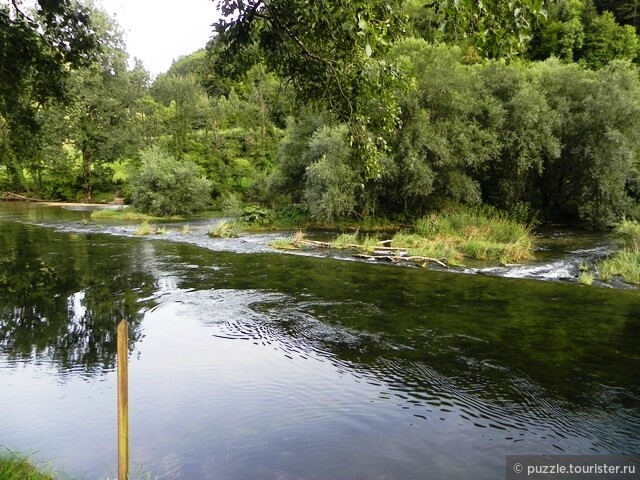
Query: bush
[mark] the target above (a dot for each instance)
(257, 215)
(330, 183)
(165, 186)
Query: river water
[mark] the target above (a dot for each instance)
(251, 364)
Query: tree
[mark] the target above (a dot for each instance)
(599, 137)
(627, 12)
(575, 31)
(103, 98)
(496, 28)
(446, 133)
(330, 52)
(38, 49)
(605, 41)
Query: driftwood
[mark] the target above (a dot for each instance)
(398, 258)
(380, 252)
(8, 196)
(312, 243)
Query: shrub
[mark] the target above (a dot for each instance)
(257, 215)
(165, 186)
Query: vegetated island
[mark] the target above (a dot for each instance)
(445, 238)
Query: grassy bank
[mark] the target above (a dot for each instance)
(453, 235)
(626, 262)
(18, 467)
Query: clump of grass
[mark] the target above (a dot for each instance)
(629, 232)
(479, 233)
(145, 228)
(345, 240)
(369, 243)
(435, 247)
(406, 240)
(585, 278)
(291, 243)
(284, 244)
(223, 229)
(18, 467)
(117, 214)
(625, 264)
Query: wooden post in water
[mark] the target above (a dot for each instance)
(123, 400)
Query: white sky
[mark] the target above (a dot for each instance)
(159, 31)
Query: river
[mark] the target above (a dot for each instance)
(251, 364)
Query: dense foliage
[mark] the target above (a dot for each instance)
(164, 186)
(352, 110)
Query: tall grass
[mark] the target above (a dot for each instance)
(223, 229)
(345, 240)
(479, 233)
(18, 467)
(625, 263)
(145, 228)
(433, 247)
(629, 234)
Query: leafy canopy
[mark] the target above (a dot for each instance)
(330, 52)
(497, 28)
(38, 48)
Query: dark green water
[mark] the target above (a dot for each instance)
(271, 366)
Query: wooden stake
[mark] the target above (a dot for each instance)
(123, 400)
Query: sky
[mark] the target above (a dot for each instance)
(159, 31)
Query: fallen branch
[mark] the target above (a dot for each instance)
(14, 196)
(395, 259)
(312, 243)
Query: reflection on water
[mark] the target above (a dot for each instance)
(61, 297)
(270, 366)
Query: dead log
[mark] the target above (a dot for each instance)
(395, 259)
(14, 196)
